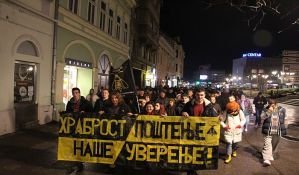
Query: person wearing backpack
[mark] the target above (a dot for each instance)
(233, 121)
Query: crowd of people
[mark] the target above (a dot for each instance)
(232, 107)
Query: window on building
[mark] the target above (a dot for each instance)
(102, 15)
(91, 11)
(73, 6)
(118, 21)
(126, 33)
(28, 48)
(104, 69)
(110, 22)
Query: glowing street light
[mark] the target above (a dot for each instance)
(274, 72)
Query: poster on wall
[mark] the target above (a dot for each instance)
(24, 75)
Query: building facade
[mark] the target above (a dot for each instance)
(26, 52)
(170, 61)
(92, 36)
(145, 41)
(255, 70)
(290, 67)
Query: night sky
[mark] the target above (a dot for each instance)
(221, 33)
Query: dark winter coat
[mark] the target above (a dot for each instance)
(259, 102)
(208, 109)
(84, 105)
(267, 121)
(121, 109)
(100, 105)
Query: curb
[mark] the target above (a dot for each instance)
(291, 138)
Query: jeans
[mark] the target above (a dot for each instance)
(258, 116)
(247, 121)
(270, 146)
(230, 147)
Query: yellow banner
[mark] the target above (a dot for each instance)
(176, 130)
(171, 141)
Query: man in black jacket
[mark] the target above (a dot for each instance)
(77, 104)
(259, 102)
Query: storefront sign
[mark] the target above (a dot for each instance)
(169, 143)
(73, 62)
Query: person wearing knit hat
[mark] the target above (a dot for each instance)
(234, 120)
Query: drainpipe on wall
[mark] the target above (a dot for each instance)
(53, 82)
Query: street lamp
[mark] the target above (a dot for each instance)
(274, 72)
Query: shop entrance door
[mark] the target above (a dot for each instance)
(25, 95)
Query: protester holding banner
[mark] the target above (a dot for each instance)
(199, 106)
(117, 106)
(78, 103)
(233, 121)
(149, 109)
(180, 104)
(102, 102)
(273, 128)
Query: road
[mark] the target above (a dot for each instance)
(34, 152)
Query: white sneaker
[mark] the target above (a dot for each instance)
(245, 130)
(267, 162)
(271, 158)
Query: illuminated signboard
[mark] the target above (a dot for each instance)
(73, 62)
(203, 77)
(252, 55)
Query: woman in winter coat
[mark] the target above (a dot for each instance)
(273, 127)
(246, 107)
(234, 119)
(117, 106)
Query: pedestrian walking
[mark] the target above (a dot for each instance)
(259, 103)
(232, 123)
(246, 108)
(273, 128)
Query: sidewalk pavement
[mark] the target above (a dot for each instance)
(34, 152)
(293, 132)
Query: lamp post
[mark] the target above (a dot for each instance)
(252, 76)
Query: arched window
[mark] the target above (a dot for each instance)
(28, 48)
(104, 69)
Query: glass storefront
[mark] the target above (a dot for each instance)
(76, 77)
